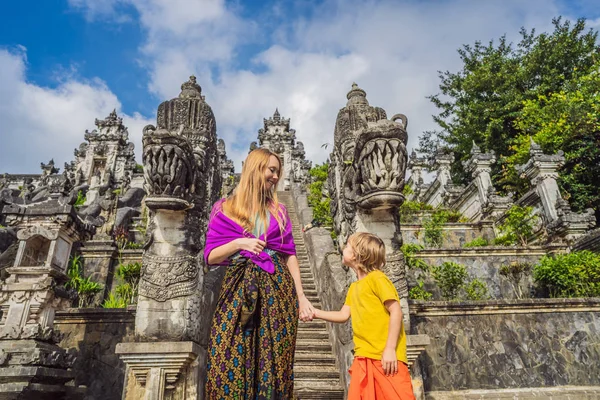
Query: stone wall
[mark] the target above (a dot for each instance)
(509, 344)
(94, 333)
(454, 234)
(484, 263)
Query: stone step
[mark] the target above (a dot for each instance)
(314, 345)
(323, 389)
(313, 335)
(309, 371)
(314, 324)
(313, 359)
(316, 374)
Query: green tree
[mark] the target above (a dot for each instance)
(319, 202)
(492, 99)
(569, 121)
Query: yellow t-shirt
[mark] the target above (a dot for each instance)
(370, 318)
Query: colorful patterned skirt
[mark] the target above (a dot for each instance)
(253, 334)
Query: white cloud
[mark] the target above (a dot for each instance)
(392, 49)
(41, 123)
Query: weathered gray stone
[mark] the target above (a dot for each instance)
(94, 333)
(509, 344)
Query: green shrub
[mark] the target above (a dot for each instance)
(477, 242)
(412, 262)
(114, 301)
(130, 274)
(410, 208)
(450, 278)
(476, 290)
(514, 272)
(518, 225)
(80, 199)
(133, 245)
(433, 232)
(419, 293)
(575, 274)
(86, 289)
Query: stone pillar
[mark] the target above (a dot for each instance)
(366, 180)
(542, 171)
(31, 364)
(174, 310)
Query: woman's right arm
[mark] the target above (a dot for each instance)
(221, 253)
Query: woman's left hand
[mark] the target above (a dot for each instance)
(306, 309)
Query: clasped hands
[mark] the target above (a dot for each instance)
(254, 246)
(306, 309)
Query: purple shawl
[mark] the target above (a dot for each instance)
(222, 230)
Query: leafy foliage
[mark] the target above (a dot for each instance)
(476, 290)
(514, 273)
(114, 301)
(130, 274)
(450, 277)
(545, 86)
(410, 209)
(575, 274)
(319, 202)
(86, 289)
(477, 242)
(412, 262)
(433, 225)
(517, 227)
(80, 199)
(419, 293)
(568, 120)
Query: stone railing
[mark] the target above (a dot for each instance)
(479, 200)
(484, 263)
(506, 346)
(332, 281)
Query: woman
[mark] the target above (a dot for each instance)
(253, 332)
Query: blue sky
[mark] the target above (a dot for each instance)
(64, 63)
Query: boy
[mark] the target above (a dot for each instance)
(379, 370)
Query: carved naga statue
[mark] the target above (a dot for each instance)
(366, 176)
(182, 180)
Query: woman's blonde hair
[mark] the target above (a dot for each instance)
(369, 251)
(251, 197)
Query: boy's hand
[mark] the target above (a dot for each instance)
(389, 362)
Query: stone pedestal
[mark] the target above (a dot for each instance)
(415, 345)
(182, 180)
(32, 369)
(162, 370)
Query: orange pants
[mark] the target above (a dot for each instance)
(369, 382)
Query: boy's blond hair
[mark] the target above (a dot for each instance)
(369, 251)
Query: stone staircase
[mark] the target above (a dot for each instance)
(316, 375)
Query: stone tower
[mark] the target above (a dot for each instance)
(277, 136)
